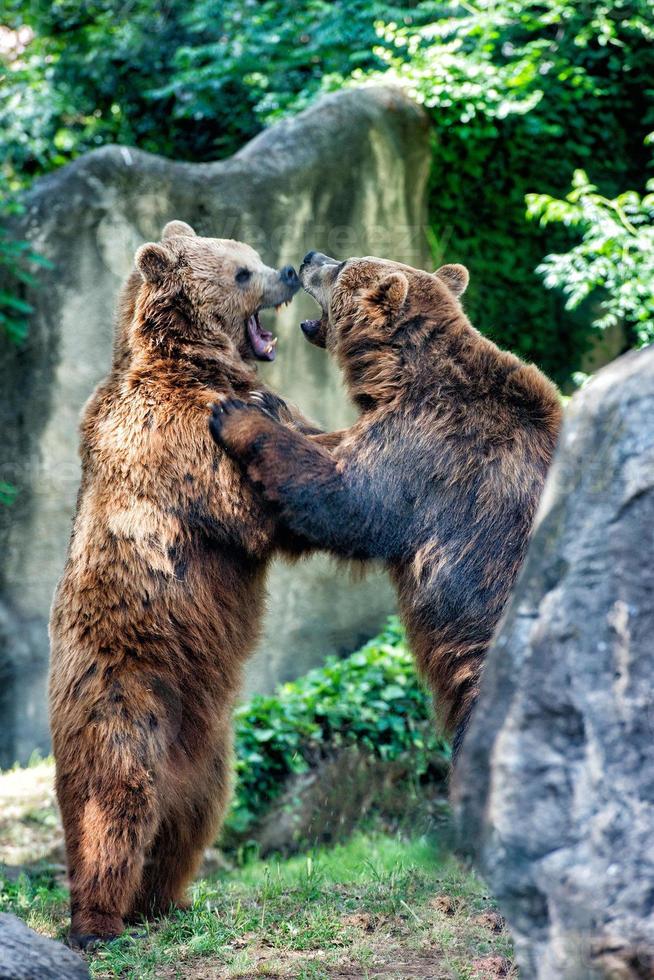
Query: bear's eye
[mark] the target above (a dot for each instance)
(243, 275)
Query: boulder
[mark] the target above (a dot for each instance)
(25, 955)
(347, 176)
(555, 784)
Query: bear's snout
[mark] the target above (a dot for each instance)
(310, 328)
(317, 258)
(289, 277)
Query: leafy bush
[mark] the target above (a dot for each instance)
(17, 259)
(83, 81)
(614, 257)
(256, 62)
(521, 92)
(8, 493)
(371, 699)
(191, 81)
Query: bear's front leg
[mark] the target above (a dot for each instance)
(297, 474)
(271, 454)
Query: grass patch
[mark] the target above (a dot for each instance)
(30, 830)
(378, 905)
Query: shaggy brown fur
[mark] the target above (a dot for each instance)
(163, 591)
(440, 476)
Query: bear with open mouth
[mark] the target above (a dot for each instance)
(440, 476)
(163, 591)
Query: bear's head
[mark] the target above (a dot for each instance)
(371, 305)
(205, 289)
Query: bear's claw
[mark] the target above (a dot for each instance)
(219, 413)
(268, 403)
(228, 405)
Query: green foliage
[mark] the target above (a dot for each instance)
(8, 493)
(255, 62)
(84, 80)
(17, 260)
(194, 82)
(371, 699)
(522, 93)
(34, 897)
(615, 255)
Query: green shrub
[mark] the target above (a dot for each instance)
(256, 62)
(521, 92)
(614, 260)
(192, 81)
(17, 260)
(371, 699)
(83, 81)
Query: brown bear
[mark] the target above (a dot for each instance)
(162, 595)
(440, 476)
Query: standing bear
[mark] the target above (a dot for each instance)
(162, 595)
(440, 476)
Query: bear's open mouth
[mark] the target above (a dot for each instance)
(263, 343)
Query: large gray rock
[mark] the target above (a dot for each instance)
(555, 785)
(347, 176)
(24, 955)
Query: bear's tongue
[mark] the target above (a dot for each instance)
(263, 342)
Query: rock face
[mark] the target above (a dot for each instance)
(347, 176)
(24, 955)
(555, 784)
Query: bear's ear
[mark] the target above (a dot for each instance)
(385, 299)
(174, 228)
(153, 261)
(455, 277)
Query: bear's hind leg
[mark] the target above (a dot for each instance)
(176, 853)
(109, 819)
(170, 865)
